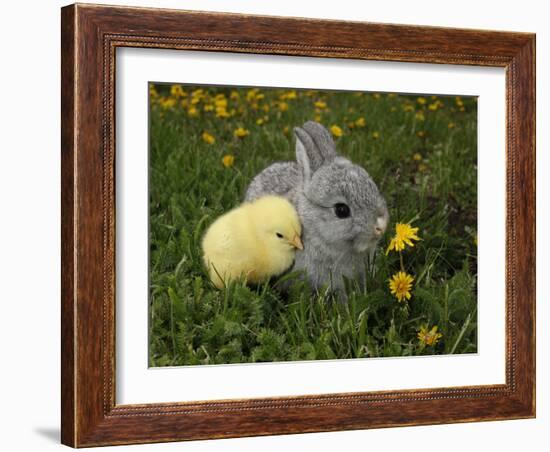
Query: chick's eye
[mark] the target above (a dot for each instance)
(342, 210)
(279, 235)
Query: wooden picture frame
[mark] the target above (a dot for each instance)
(90, 36)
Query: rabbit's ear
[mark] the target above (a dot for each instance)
(314, 148)
(323, 141)
(306, 153)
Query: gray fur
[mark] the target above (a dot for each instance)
(320, 178)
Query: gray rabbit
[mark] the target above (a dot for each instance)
(342, 212)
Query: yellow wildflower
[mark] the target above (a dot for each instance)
(177, 91)
(167, 102)
(321, 105)
(408, 108)
(433, 107)
(221, 112)
(421, 134)
(241, 132)
(193, 112)
(375, 135)
(459, 102)
(429, 337)
(360, 122)
(451, 125)
(289, 95)
(336, 131)
(260, 121)
(220, 102)
(376, 95)
(197, 96)
(417, 156)
(317, 118)
(421, 100)
(420, 116)
(286, 130)
(283, 106)
(207, 138)
(401, 285)
(253, 94)
(228, 160)
(422, 167)
(234, 95)
(404, 234)
(208, 107)
(153, 91)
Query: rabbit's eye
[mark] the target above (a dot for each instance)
(279, 235)
(342, 210)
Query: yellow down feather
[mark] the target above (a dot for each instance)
(254, 241)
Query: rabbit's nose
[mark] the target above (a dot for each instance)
(381, 225)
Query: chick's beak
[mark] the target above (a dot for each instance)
(296, 242)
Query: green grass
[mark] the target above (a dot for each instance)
(427, 170)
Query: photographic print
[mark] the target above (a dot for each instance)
(292, 224)
(319, 223)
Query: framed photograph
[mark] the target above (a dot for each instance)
(281, 225)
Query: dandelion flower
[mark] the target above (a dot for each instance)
(401, 285)
(241, 132)
(289, 95)
(429, 337)
(404, 234)
(228, 160)
(420, 116)
(336, 131)
(320, 105)
(375, 135)
(167, 102)
(221, 112)
(417, 156)
(421, 100)
(207, 138)
(220, 102)
(283, 106)
(433, 107)
(177, 91)
(360, 122)
(286, 130)
(193, 112)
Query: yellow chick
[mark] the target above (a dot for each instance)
(255, 241)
